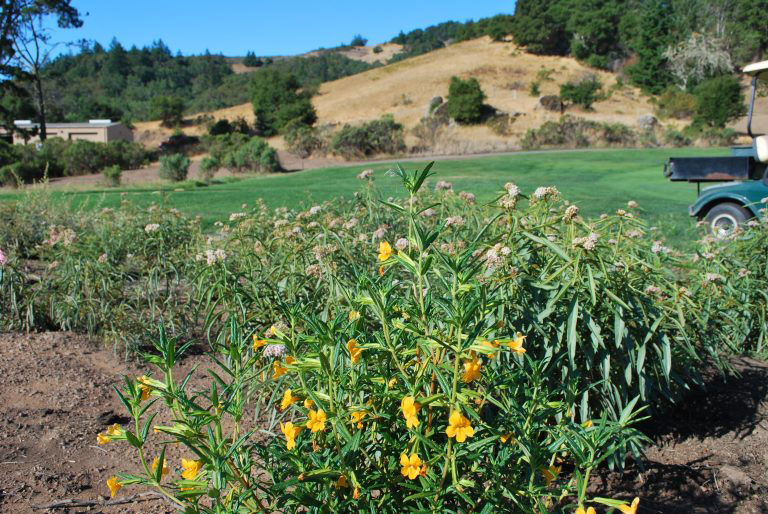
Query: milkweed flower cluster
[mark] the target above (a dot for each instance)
(152, 227)
(588, 242)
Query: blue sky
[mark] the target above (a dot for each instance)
(285, 27)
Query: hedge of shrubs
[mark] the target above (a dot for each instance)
(59, 158)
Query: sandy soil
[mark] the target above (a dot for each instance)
(711, 454)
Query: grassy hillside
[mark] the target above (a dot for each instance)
(598, 181)
(405, 88)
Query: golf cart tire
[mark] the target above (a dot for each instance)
(725, 214)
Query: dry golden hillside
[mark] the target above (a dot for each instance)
(404, 89)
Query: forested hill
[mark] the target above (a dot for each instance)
(124, 83)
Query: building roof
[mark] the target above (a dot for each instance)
(77, 125)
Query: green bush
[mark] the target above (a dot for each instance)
(572, 132)
(278, 100)
(583, 92)
(302, 140)
(677, 138)
(112, 175)
(168, 109)
(718, 101)
(377, 49)
(208, 167)
(358, 40)
(465, 101)
(675, 103)
(383, 136)
(174, 167)
(240, 153)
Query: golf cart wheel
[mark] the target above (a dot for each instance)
(722, 219)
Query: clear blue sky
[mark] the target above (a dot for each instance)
(282, 27)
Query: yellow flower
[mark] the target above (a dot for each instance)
(472, 369)
(308, 403)
(385, 251)
(391, 383)
(114, 486)
(291, 432)
(357, 417)
(112, 432)
(341, 482)
(507, 437)
(411, 467)
(550, 474)
(354, 351)
(191, 468)
(316, 421)
(279, 371)
(353, 316)
(590, 510)
(145, 389)
(587, 424)
(459, 427)
(410, 411)
(165, 470)
(258, 343)
(517, 343)
(356, 494)
(289, 360)
(493, 345)
(288, 399)
(630, 509)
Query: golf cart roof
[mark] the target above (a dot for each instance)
(757, 69)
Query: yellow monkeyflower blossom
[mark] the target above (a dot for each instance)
(316, 421)
(353, 316)
(590, 510)
(145, 389)
(112, 432)
(291, 432)
(165, 470)
(550, 474)
(356, 494)
(459, 427)
(289, 360)
(308, 403)
(587, 424)
(517, 343)
(493, 345)
(278, 370)
(354, 351)
(357, 417)
(410, 411)
(288, 399)
(114, 486)
(630, 509)
(191, 468)
(411, 467)
(385, 251)
(472, 369)
(258, 343)
(507, 437)
(341, 482)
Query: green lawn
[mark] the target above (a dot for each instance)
(598, 181)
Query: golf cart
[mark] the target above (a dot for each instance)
(726, 206)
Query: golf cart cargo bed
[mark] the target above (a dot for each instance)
(709, 169)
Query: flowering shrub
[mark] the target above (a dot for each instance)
(422, 353)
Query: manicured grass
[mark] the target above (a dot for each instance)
(598, 181)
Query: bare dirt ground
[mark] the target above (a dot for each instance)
(711, 454)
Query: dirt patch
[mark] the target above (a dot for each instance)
(711, 453)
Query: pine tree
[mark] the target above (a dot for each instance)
(651, 41)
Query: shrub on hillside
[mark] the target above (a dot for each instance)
(278, 100)
(112, 175)
(677, 138)
(571, 132)
(168, 109)
(718, 101)
(174, 167)
(358, 40)
(675, 103)
(583, 92)
(465, 101)
(240, 153)
(383, 136)
(302, 140)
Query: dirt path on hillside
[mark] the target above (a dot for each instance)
(712, 453)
